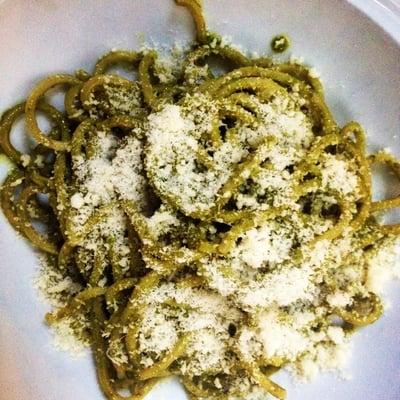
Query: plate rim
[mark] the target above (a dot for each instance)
(384, 13)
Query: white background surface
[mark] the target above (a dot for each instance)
(360, 66)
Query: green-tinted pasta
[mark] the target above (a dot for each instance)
(99, 215)
(116, 270)
(79, 300)
(264, 381)
(32, 106)
(145, 79)
(8, 206)
(157, 369)
(119, 57)
(365, 312)
(38, 240)
(194, 6)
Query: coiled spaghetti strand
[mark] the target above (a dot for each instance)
(32, 106)
(358, 316)
(160, 367)
(73, 105)
(145, 80)
(79, 300)
(194, 6)
(103, 364)
(28, 230)
(13, 180)
(268, 385)
(117, 57)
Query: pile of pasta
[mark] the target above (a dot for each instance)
(163, 246)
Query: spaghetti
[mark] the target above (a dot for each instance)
(185, 206)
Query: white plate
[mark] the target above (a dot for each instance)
(359, 60)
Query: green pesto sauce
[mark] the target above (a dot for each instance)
(280, 43)
(213, 39)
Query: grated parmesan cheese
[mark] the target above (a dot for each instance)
(280, 339)
(336, 175)
(339, 299)
(279, 287)
(25, 160)
(65, 338)
(264, 245)
(383, 267)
